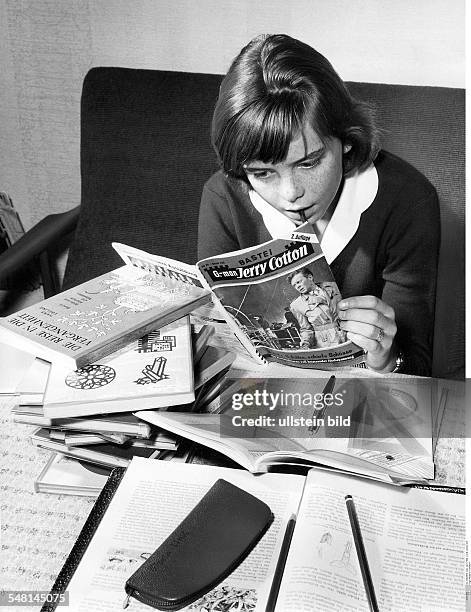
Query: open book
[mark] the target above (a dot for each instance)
(414, 541)
(379, 428)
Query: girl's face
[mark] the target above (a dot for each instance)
(307, 180)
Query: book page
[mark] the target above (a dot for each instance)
(371, 426)
(414, 541)
(152, 499)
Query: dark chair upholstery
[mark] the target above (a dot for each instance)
(145, 155)
(425, 126)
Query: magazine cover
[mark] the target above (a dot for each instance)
(281, 299)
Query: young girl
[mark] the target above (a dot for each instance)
(294, 145)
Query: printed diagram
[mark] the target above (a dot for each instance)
(325, 545)
(345, 562)
(153, 343)
(226, 598)
(153, 373)
(90, 377)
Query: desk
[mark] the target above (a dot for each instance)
(38, 530)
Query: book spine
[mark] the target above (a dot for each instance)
(152, 322)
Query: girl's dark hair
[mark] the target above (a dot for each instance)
(274, 86)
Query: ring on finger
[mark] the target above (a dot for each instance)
(380, 337)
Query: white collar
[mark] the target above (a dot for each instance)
(357, 195)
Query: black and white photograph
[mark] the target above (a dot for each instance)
(299, 167)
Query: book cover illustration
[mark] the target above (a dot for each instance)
(282, 296)
(154, 371)
(102, 315)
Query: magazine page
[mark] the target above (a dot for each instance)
(380, 428)
(281, 299)
(223, 335)
(414, 541)
(162, 266)
(152, 499)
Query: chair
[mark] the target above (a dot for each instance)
(145, 155)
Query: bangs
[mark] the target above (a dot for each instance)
(263, 132)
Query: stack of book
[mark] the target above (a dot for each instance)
(85, 416)
(118, 344)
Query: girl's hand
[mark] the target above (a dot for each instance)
(370, 323)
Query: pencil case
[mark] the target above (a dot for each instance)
(205, 548)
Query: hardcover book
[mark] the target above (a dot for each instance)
(156, 371)
(98, 317)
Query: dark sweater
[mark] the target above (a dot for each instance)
(393, 254)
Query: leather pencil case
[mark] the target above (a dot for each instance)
(204, 549)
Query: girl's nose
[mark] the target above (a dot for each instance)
(291, 189)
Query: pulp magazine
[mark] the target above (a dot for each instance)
(279, 298)
(381, 429)
(414, 540)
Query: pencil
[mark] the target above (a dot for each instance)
(280, 566)
(329, 387)
(361, 553)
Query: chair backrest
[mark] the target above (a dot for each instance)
(145, 155)
(425, 126)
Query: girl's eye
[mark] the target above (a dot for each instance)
(310, 163)
(261, 174)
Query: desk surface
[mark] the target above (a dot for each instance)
(38, 529)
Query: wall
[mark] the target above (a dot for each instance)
(47, 46)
